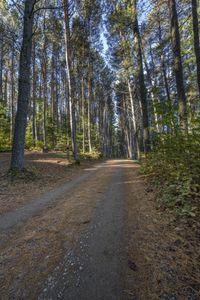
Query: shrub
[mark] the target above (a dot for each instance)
(175, 168)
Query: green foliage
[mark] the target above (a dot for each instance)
(5, 142)
(95, 154)
(175, 167)
(167, 114)
(56, 138)
(77, 162)
(29, 139)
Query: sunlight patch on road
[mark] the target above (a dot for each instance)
(120, 166)
(52, 161)
(91, 169)
(129, 182)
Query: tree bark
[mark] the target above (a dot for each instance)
(69, 78)
(155, 116)
(134, 124)
(142, 87)
(17, 161)
(196, 39)
(34, 130)
(89, 103)
(83, 112)
(12, 91)
(45, 89)
(1, 65)
(163, 65)
(178, 69)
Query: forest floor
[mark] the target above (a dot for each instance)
(104, 237)
(47, 171)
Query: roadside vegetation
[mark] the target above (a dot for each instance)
(174, 170)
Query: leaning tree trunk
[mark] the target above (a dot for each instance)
(69, 78)
(17, 161)
(142, 87)
(178, 69)
(196, 39)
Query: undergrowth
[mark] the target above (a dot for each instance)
(174, 166)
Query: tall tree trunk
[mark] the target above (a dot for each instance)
(56, 90)
(178, 69)
(106, 129)
(196, 39)
(142, 87)
(162, 58)
(83, 111)
(127, 128)
(5, 93)
(155, 116)
(12, 91)
(39, 122)
(53, 85)
(69, 78)
(53, 93)
(134, 124)
(34, 130)
(45, 88)
(89, 104)
(17, 161)
(45, 107)
(1, 65)
(163, 65)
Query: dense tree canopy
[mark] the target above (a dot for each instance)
(110, 77)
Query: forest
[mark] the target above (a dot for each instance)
(97, 80)
(104, 79)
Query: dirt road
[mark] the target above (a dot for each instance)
(24, 212)
(90, 263)
(96, 259)
(98, 236)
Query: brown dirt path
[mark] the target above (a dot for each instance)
(22, 213)
(96, 261)
(106, 239)
(50, 171)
